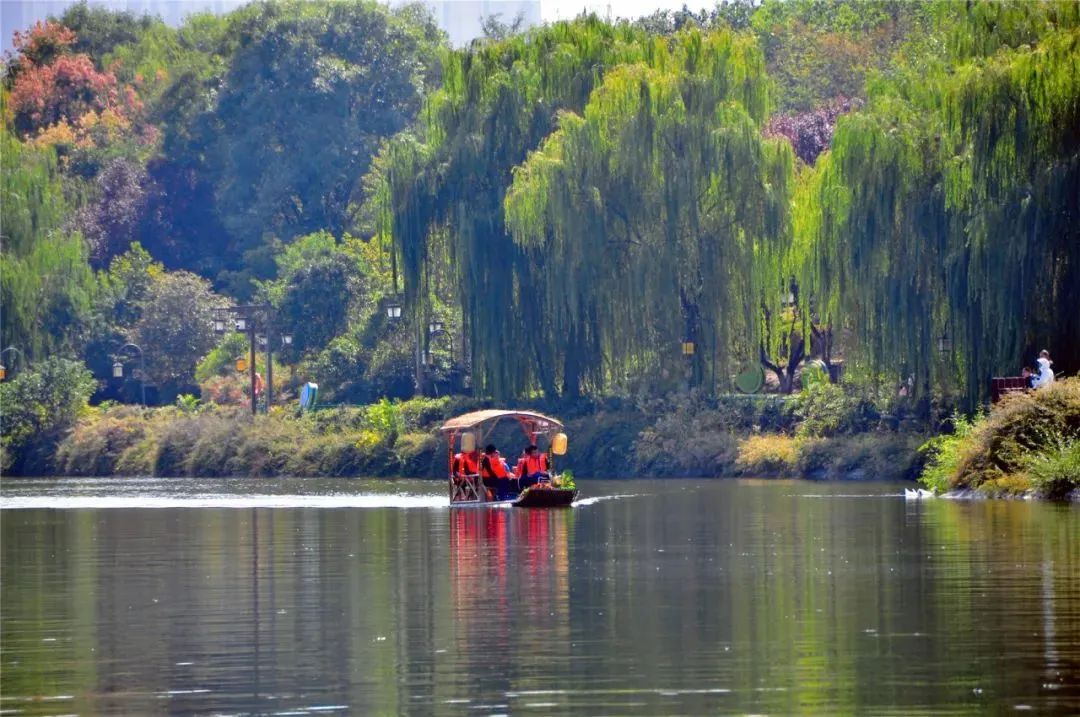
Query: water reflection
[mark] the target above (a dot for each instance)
(680, 597)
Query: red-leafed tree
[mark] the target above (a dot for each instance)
(50, 86)
(810, 133)
(41, 44)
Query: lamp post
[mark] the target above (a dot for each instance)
(15, 351)
(257, 321)
(944, 343)
(118, 367)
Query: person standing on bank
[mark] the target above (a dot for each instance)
(1046, 374)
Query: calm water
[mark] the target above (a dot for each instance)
(674, 597)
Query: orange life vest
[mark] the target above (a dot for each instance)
(466, 464)
(536, 463)
(492, 466)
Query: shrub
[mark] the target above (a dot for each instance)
(420, 412)
(1055, 473)
(421, 454)
(945, 453)
(1008, 441)
(768, 455)
(94, 447)
(880, 456)
(689, 440)
(825, 409)
(224, 390)
(36, 406)
(384, 418)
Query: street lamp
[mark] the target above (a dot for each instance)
(435, 327)
(393, 310)
(944, 343)
(688, 348)
(258, 322)
(3, 368)
(118, 367)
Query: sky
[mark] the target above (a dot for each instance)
(20, 14)
(552, 10)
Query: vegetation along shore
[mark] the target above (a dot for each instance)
(773, 238)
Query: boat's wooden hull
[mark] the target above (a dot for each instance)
(529, 498)
(545, 498)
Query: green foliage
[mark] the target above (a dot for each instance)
(1022, 431)
(221, 361)
(385, 419)
(39, 403)
(941, 210)
(1055, 473)
(175, 328)
(826, 409)
(866, 456)
(945, 454)
(319, 282)
(46, 286)
(187, 403)
(99, 30)
(331, 78)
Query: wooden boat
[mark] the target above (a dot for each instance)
(473, 430)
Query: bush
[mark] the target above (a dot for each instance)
(36, 407)
(421, 454)
(878, 456)
(689, 440)
(95, 446)
(945, 453)
(1055, 473)
(768, 455)
(825, 409)
(1020, 430)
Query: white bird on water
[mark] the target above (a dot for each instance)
(917, 493)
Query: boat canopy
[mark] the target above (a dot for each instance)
(538, 422)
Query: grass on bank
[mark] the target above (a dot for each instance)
(1028, 441)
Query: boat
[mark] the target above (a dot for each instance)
(471, 430)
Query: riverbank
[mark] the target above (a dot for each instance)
(689, 437)
(1027, 445)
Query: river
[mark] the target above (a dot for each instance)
(321, 597)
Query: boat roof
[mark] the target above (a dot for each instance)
(475, 418)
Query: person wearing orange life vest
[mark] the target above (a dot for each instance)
(495, 474)
(533, 467)
(467, 464)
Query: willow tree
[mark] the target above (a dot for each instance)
(945, 217)
(657, 210)
(1013, 187)
(445, 184)
(45, 280)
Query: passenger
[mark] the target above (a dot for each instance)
(467, 464)
(496, 476)
(533, 467)
(1046, 374)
